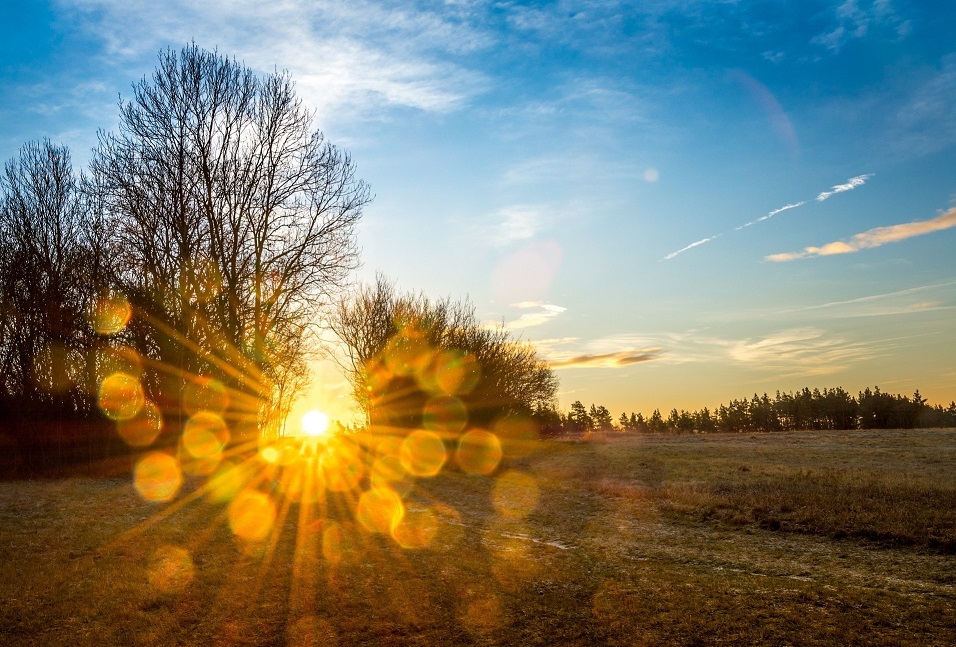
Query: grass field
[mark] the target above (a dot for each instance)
(816, 538)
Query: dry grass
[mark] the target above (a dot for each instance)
(810, 539)
(888, 509)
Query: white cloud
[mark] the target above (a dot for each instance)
(619, 359)
(850, 184)
(349, 58)
(859, 19)
(545, 312)
(800, 351)
(787, 352)
(569, 352)
(872, 238)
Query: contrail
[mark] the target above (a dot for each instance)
(691, 246)
(850, 184)
(772, 214)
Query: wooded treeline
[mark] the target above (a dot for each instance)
(829, 409)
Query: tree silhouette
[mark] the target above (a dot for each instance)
(409, 358)
(48, 276)
(233, 222)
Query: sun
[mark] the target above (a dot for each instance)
(315, 423)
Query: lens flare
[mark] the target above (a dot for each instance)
(379, 510)
(107, 360)
(280, 452)
(377, 376)
(416, 529)
(407, 353)
(454, 372)
(298, 483)
(226, 482)
(170, 569)
(342, 467)
(422, 453)
(445, 414)
(387, 469)
(110, 314)
(479, 452)
(270, 454)
(143, 428)
(157, 477)
(527, 274)
(251, 515)
(121, 396)
(205, 434)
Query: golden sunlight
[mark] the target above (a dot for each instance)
(315, 423)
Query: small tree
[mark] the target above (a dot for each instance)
(405, 352)
(579, 420)
(601, 417)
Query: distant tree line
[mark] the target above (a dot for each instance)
(829, 409)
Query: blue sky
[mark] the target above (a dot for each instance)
(680, 202)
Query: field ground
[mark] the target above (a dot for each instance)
(815, 538)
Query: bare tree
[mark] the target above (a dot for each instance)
(42, 263)
(47, 279)
(234, 223)
(400, 350)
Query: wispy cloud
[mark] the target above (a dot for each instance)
(512, 224)
(610, 352)
(854, 19)
(794, 351)
(544, 312)
(872, 238)
(348, 58)
(608, 360)
(801, 351)
(691, 246)
(925, 121)
(850, 184)
(895, 302)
